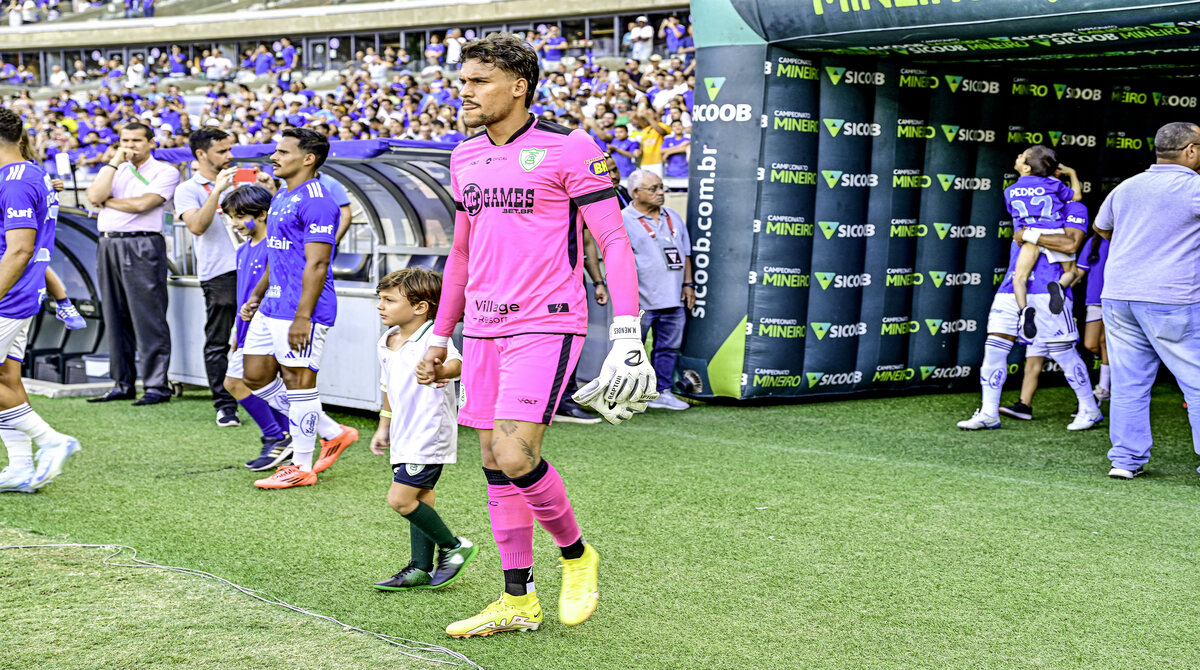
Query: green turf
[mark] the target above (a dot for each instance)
(850, 534)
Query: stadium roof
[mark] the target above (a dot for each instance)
(347, 18)
(1101, 33)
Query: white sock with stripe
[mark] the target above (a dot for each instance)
(20, 448)
(275, 395)
(24, 419)
(993, 372)
(304, 414)
(327, 428)
(1077, 375)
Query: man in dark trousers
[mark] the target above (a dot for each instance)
(198, 201)
(134, 192)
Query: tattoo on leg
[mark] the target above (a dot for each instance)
(507, 427)
(529, 451)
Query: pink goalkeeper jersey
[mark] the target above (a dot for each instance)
(522, 202)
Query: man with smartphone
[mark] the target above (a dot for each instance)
(198, 201)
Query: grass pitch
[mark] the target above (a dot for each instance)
(849, 534)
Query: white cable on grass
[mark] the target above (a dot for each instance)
(410, 648)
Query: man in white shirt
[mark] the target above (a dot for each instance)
(58, 77)
(198, 201)
(643, 39)
(217, 67)
(454, 45)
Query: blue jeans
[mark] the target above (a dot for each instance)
(668, 337)
(1140, 335)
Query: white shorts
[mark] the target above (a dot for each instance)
(1037, 349)
(269, 337)
(236, 368)
(1094, 313)
(1051, 328)
(13, 333)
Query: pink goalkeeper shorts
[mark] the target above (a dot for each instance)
(516, 378)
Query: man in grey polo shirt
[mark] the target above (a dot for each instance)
(1151, 298)
(663, 253)
(198, 201)
(134, 193)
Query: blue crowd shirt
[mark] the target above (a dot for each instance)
(624, 163)
(28, 201)
(251, 262)
(297, 217)
(676, 164)
(553, 49)
(263, 63)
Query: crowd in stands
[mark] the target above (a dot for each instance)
(640, 112)
(24, 12)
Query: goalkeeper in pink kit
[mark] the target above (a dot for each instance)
(523, 189)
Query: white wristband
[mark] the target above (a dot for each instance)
(439, 341)
(1031, 235)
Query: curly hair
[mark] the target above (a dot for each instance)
(11, 126)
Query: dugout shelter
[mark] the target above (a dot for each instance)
(877, 137)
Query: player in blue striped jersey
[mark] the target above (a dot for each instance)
(29, 211)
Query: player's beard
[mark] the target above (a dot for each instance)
(480, 119)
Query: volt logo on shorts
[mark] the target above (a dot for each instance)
(528, 401)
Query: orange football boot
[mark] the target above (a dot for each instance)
(331, 449)
(286, 477)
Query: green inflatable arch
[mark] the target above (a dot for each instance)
(848, 161)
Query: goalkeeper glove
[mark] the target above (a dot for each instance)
(626, 380)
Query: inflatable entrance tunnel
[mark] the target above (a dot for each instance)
(848, 161)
